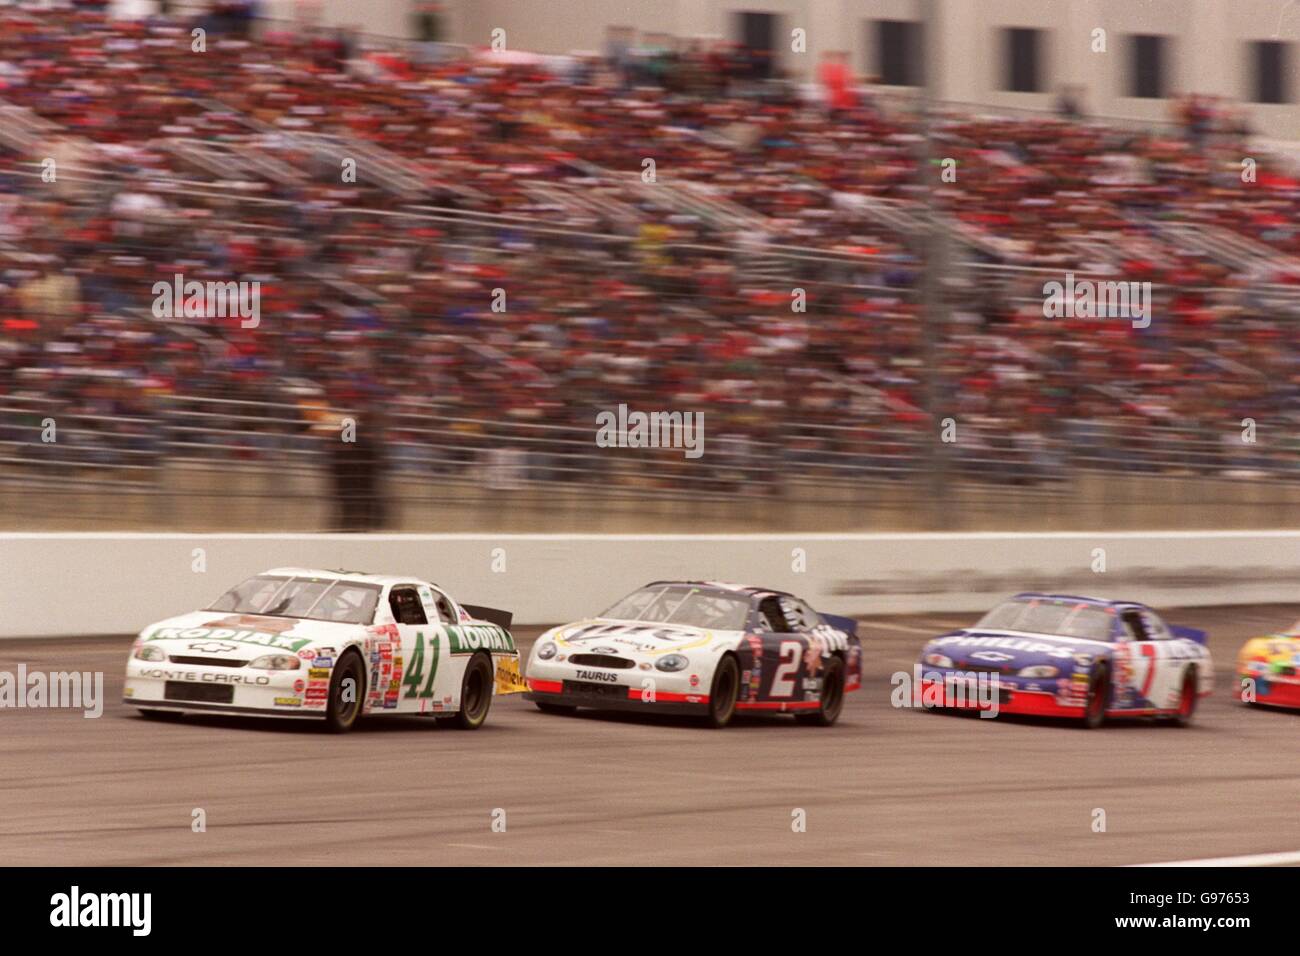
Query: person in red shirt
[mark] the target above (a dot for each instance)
(837, 81)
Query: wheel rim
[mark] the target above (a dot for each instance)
(832, 695)
(1097, 699)
(347, 710)
(1189, 697)
(474, 696)
(724, 700)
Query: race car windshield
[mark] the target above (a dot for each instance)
(1063, 618)
(315, 599)
(687, 606)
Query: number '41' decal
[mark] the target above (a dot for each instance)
(414, 673)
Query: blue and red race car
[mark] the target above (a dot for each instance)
(1057, 655)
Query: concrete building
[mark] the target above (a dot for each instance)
(1127, 57)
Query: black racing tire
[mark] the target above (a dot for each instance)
(1094, 708)
(723, 693)
(475, 693)
(343, 709)
(1187, 698)
(546, 707)
(832, 696)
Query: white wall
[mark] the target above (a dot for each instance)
(84, 584)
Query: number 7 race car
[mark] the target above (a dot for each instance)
(700, 648)
(1055, 655)
(329, 645)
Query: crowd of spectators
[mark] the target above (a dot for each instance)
(529, 273)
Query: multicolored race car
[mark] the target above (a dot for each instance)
(700, 647)
(1057, 655)
(1269, 669)
(328, 645)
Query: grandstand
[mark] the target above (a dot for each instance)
(477, 173)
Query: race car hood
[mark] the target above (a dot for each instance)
(602, 635)
(1008, 651)
(219, 634)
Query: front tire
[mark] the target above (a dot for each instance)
(347, 687)
(725, 689)
(475, 694)
(832, 697)
(1094, 711)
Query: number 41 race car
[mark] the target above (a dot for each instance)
(700, 648)
(329, 645)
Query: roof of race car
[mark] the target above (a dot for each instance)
(1077, 598)
(724, 586)
(341, 575)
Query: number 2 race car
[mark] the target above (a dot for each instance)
(1055, 655)
(1271, 665)
(329, 645)
(704, 648)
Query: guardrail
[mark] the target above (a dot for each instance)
(258, 464)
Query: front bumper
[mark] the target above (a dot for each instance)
(1273, 691)
(224, 690)
(1013, 697)
(573, 693)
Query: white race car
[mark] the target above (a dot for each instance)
(329, 645)
(700, 647)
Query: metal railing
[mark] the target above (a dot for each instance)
(197, 455)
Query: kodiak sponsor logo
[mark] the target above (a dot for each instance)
(277, 642)
(475, 637)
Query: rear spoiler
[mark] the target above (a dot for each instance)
(1189, 634)
(495, 615)
(846, 624)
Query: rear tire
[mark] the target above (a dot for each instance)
(725, 689)
(475, 693)
(1094, 710)
(832, 696)
(347, 689)
(1187, 698)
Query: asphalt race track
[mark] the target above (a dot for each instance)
(884, 786)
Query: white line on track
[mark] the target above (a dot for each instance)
(1291, 858)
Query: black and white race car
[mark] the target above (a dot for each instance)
(700, 647)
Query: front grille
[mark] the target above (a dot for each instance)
(206, 661)
(985, 669)
(580, 688)
(199, 693)
(602, 660)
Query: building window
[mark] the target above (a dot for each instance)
(1147, 67)
(1024, 62)
(758, 39)
(900, 56)
(1272, 61)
